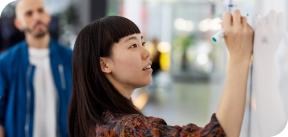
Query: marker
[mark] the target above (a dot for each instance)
(219, 35)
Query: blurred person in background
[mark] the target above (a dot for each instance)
(35, 78)
(110, 61)
(155, 57)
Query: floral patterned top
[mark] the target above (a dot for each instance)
(136, 125)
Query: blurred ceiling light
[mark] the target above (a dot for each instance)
(204, 25)
(183, 25)
(178, 23)
(164, 47)
(3, 4)
(189, 25)
(202, 59)
(208, 24)
(216, 24)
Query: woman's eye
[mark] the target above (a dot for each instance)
(133, 46)
(143, 44)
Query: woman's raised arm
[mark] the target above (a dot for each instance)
(239, 41)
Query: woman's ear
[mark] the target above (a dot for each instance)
(105, 65)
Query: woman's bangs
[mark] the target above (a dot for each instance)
(120, 27)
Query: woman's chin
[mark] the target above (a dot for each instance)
(148, 83)
(145, 83)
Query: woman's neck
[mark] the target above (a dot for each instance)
(126, 92)
(125, 89)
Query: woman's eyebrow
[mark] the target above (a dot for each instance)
(131, 38)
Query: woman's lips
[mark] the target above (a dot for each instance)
(148, 70)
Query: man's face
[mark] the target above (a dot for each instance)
(32, 18)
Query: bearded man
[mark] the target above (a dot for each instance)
(35, 78)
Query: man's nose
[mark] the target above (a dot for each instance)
(36, 16)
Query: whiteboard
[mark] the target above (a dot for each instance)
(254, 10)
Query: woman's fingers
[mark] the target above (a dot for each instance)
(238, 35)
(233, 21)
(244, 21)
(227, 22)
(236, 18)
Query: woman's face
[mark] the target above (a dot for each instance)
(129, 63)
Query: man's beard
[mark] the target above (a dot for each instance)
(39, 35)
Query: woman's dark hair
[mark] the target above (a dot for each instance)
(92, 93)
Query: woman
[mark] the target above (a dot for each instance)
(110, 61)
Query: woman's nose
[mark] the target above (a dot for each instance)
(145, 53)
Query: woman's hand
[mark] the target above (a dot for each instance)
(238, 36)
(239, 41)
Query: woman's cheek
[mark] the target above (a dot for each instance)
(129, 68)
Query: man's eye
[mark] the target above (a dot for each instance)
(133, 46)
(143, 44)
(40, 10)
(29, 13)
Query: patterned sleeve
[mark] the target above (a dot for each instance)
(141, 126)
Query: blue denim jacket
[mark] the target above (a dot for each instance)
(17, 93)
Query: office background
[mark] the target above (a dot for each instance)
(189, 84)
